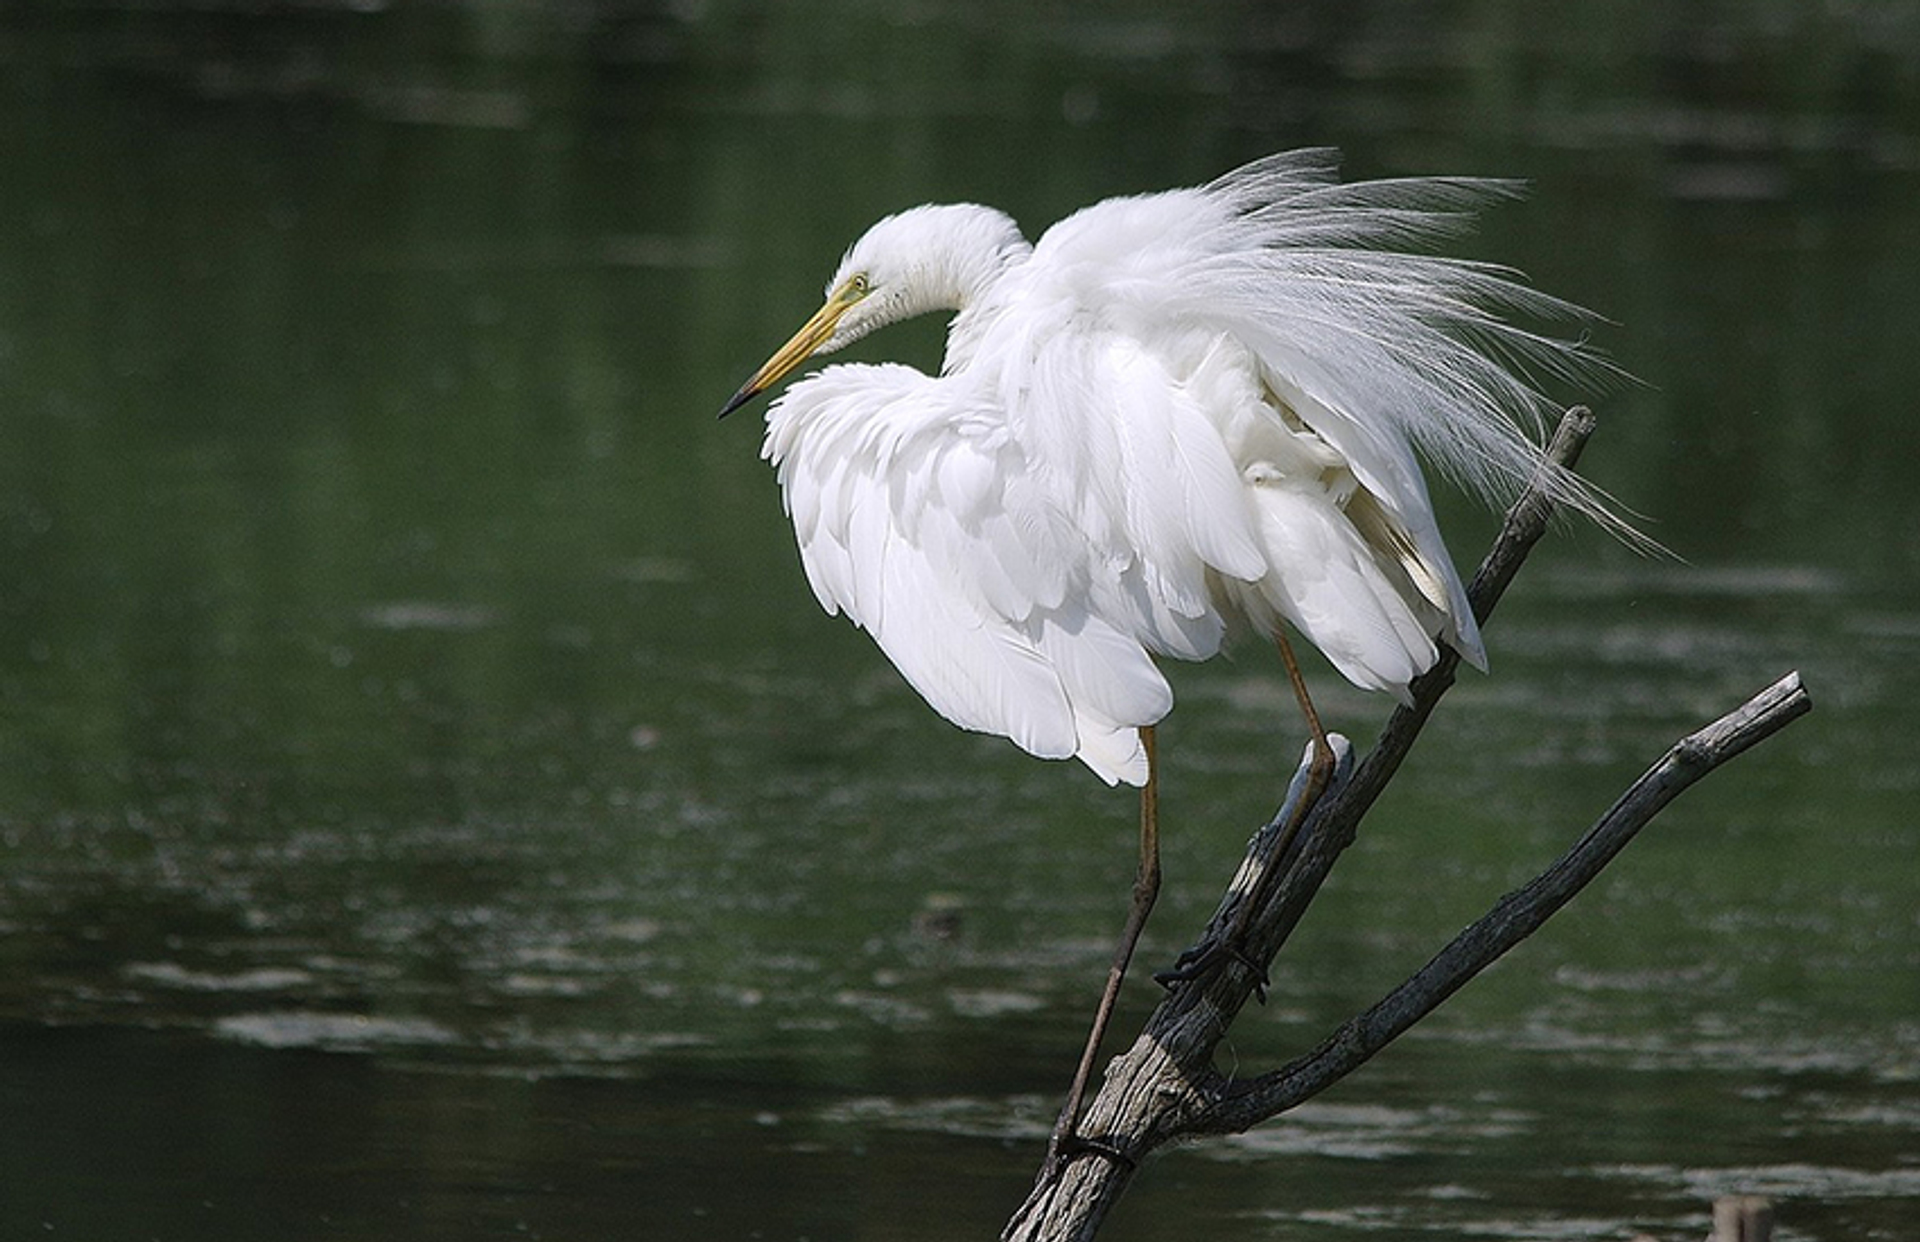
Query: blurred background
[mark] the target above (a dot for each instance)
(432, 804)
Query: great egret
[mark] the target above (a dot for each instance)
(1174, 414)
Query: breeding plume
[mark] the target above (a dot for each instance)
(1174, 416)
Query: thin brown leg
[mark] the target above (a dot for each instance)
(1146, 887)
(1320, 771)
(1226, 946)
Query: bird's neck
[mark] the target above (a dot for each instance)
(967, 259)
(961, 275)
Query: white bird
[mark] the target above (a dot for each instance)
(1174, 416)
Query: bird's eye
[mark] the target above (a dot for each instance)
(860, 285)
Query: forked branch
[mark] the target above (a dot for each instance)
(1165, 1087)
(1512, 919)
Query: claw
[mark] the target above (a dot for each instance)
(1071, 1145)
(1201, 960)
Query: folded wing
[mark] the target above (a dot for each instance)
(919, 518)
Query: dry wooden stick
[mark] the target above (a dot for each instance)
(1165, 1087)
(1237, 1106)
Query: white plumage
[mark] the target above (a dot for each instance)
(1173, 414)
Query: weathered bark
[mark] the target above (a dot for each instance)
(1166, 1087)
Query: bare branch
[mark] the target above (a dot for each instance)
(1513, 918)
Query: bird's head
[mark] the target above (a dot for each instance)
(925, 259)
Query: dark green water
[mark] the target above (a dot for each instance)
(432, 805)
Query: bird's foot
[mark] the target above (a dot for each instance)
(1063, 1148)
(1214, 953)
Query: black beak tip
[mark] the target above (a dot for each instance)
(747, 393)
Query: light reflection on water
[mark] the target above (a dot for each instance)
(541, 946)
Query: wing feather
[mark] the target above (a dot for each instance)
(1378, 351)
(1334, 591)
(918, 518)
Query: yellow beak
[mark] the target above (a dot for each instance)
(811, 336)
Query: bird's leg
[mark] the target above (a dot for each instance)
(1226, 945)
(1146, 887)
(1320, 770)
